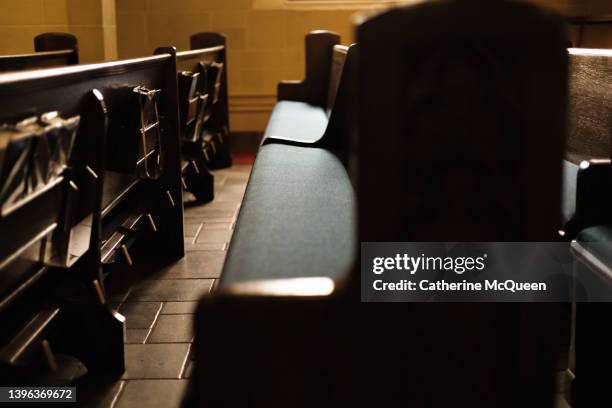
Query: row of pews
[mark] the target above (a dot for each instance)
(93, 162)
(447, 121)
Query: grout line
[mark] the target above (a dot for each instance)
(144, 341)
(154, 321)
(184, 365)
(118, 394)
(197, 234)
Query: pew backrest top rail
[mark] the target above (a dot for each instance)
(51, 50)
(190, 59)
(36, 60)
(194, 54)
(31, 81)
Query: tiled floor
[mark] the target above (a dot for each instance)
(159, 309)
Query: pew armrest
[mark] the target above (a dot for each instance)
(313, 89)
(291, 287)
(292, 90)
(270, 350)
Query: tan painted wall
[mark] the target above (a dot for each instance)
(92, 21)
(265, 40)
(265, 37)
(264, 45)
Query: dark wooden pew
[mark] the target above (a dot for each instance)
(302, 111)
(588, 177)
(305, 173)
(202, 84)
(52, 50)
(309, 340)
(476, 152)
(587, 162)
(118, 196)
(303, 176)
(217, 129)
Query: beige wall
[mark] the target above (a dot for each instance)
(265, 37)
(92, 21)
(265, 40)
(264, 45)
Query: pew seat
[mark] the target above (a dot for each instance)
(296, 121)
(299, 198)
(302, 201)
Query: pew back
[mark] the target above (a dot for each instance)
(80, 91)
(198, 62)
(476, 127)
(461, 133)
(590, 108)
(52, 50)
(220, 108)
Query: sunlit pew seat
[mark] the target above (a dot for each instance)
(299, 121)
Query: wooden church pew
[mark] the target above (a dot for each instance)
(298, 336)
(202, 83)
(301, 113)
(477, 150)
(587, 162)
(52, 49)
(291, 181)
(118, 197)
(588, 172)
(218, 126)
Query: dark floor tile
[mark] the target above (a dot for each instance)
(191, 230)
(220, 180)
(217, 226)
(230, 197)
(208, 246)
(98, 395)
(170, 290)
(213, 236)
(152, 394)
(201, 213)
(235, 169)
(155, 360)
(195, 264)
(237, 179)
(136, 336)
(214, 205)
(561, 402)
(179, 308)
(139, 315)
(234, 188)
(172, 329)
(118, 296)
(188, 198)
(198, 208)
(188, 369)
